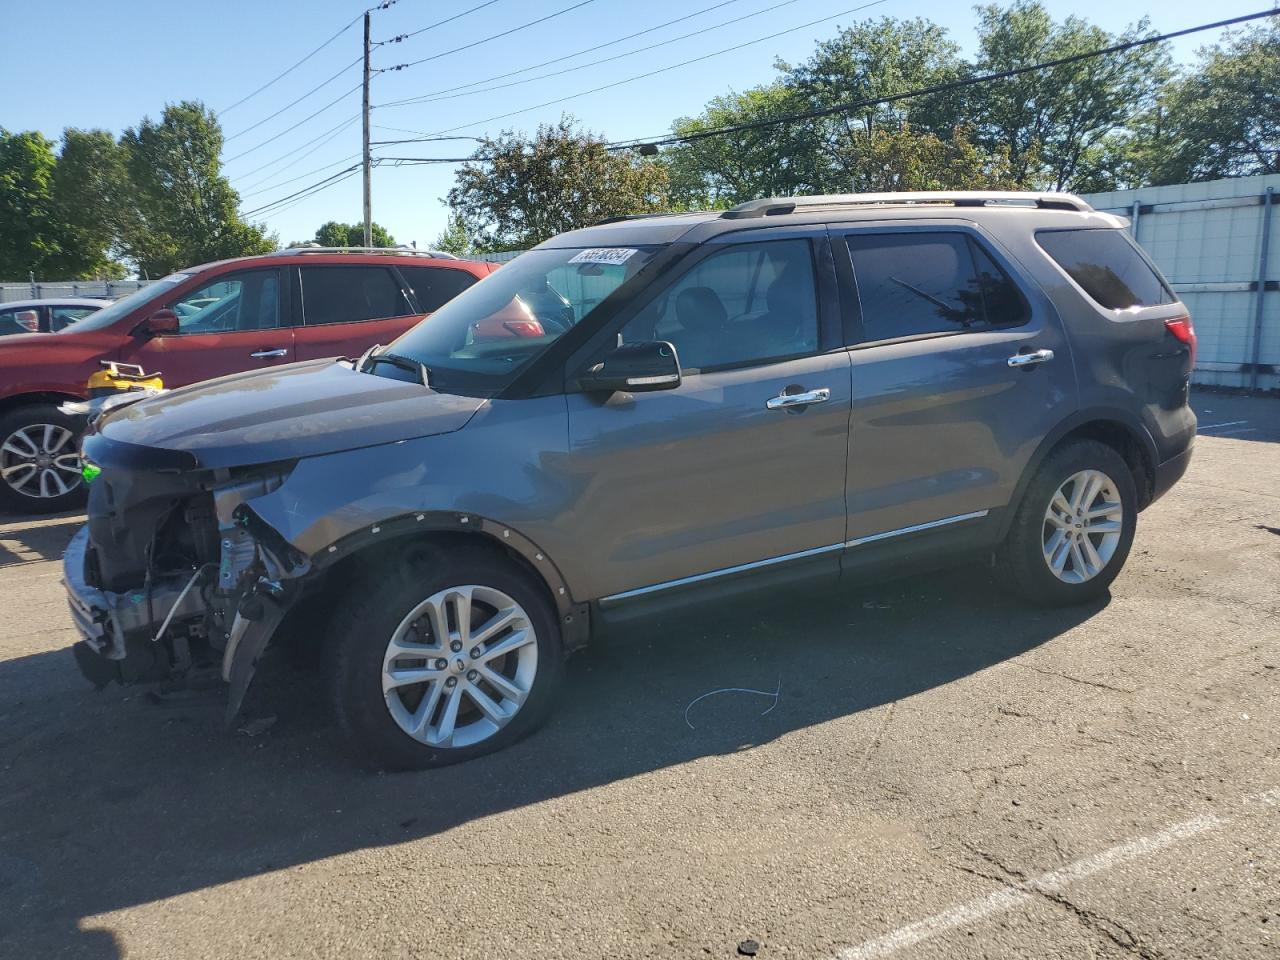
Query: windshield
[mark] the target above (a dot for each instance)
(478, 342)
(109, 315)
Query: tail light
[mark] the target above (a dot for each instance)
(524, 328)
(28, 320)
(1184, 332)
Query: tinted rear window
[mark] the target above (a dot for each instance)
(1107, 266)
(436, 286)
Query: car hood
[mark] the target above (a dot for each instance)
(287, 412)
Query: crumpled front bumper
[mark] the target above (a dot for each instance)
(108, 621)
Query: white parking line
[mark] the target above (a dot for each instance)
(1232, 433)
(1019, 893)
(1215, 426)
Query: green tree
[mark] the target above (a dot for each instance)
(30, 234)
(335, 234)
(887, 160)
(181, 208)
(1222, 118)
(770, 161)
(89, 183)
(1058, 123)
(514, 192)
(453, 238)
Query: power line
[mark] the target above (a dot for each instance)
(567, 56)
(653, 73)
(301, 176)
(311, 116)
(428, 98)
(438, 23)
(940, 87)
(294, 103)
(311, 188)
(330, 133)
(290, 70)
(476, 43)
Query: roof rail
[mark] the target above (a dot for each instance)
(958, 198)
(643, 216)
(390, 251)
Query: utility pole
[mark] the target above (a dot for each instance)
(368, 204)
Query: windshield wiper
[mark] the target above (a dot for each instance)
(371, 359)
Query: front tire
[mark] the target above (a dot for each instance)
(40, 460)
(1074, 527)
(447, 657)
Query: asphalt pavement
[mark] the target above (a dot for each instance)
(942, 773)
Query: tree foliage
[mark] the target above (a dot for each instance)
(454, 238)
(515, 192)
(182, 210)
(335, 234)
(1222, 118)
(30, 236)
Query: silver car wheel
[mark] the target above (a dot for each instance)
(40, 461)
(1082, 526)
(460, 666)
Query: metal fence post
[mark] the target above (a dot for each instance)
(1268, 201)
(1133, 219)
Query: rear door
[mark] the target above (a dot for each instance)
(960, 368)
(343, 309)
(235, 322)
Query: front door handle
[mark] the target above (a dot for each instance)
(787, 401)
(1030, 359)
(259, 354)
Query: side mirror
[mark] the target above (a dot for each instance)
(636, 368)
(162, 323)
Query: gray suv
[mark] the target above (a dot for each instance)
(647, 412)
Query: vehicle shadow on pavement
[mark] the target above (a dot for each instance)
(110, 800)
(26, 539)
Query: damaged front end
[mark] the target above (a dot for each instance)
(175, 577)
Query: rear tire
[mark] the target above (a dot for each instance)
(1073, 529)
(399, 710)
(40, 460)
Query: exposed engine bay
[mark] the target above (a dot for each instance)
(175, 576)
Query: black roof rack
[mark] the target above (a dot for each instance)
(388, 251)
(958, 198)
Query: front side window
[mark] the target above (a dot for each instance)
(234, 302)
(479, 341)
(19, 320)
(911, 284)
(433, 287)
(144, 296)
(1107, 266)
(350, 294)
(744, 304)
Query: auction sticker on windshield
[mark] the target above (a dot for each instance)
(613, 255)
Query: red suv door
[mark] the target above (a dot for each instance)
(235, 322)
(346, 308)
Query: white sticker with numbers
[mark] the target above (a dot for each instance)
(613, 255)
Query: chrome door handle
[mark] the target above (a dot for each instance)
(281, 352)
(1030, 359)
(786, 401)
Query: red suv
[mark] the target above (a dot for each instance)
(303, 303)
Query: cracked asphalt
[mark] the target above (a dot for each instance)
(945, 774)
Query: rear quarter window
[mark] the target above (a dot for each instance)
(1107, 266)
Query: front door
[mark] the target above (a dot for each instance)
(345, 310)
(232, 324)
(741, 466)
(959, 372)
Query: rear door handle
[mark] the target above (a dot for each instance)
(280, 352)
(786, 401)
(1030, 359)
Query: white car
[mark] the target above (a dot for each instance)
(46, 316)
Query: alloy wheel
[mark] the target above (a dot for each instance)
(40, 461)
(1082, 526)
(460, 666)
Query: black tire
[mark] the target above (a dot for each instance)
(1023, 554)
(369, 615)
(26, 500)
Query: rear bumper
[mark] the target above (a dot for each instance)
(1169, 473)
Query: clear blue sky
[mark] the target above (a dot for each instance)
(93, 64)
